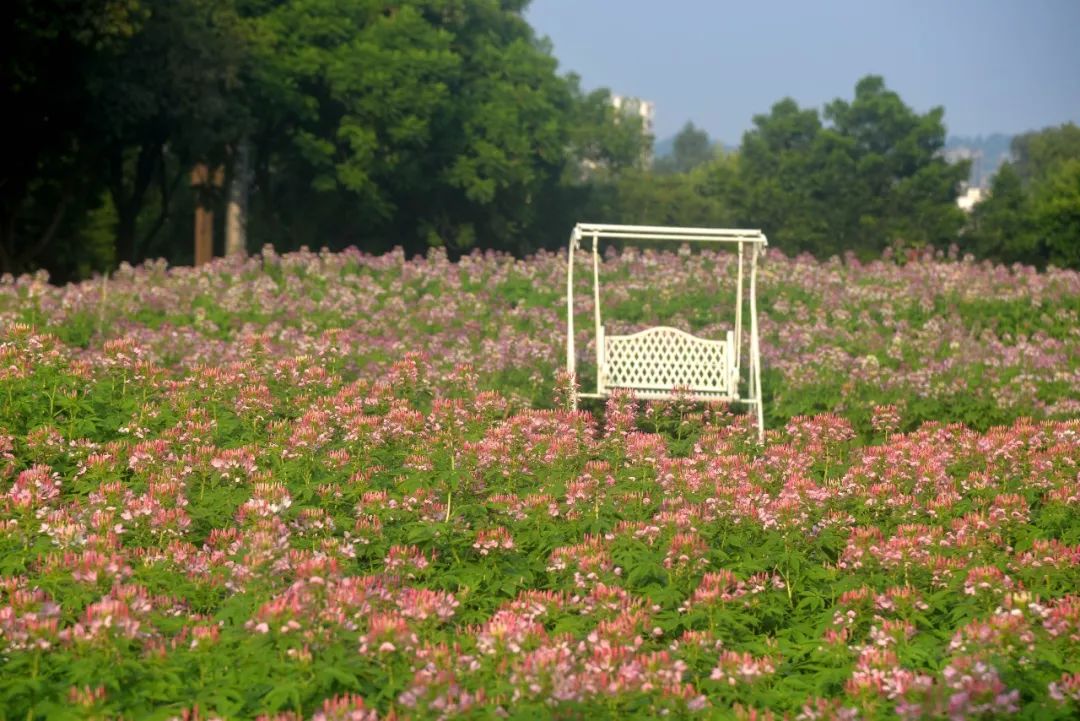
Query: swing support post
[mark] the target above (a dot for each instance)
(571, 369)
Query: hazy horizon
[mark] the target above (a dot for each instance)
(996, 66)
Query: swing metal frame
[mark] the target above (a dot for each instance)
(662, 362)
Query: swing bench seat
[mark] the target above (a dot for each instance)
(660, 362)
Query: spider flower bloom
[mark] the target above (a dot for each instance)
(817, 709)
(1048, 553)
(987, 580)
(440, 692)
(620, 414)
(1006, 633)
(29, 621)
(493, 539)
(387, 633)
(408, 559)
(422, 604)
(33, 488)
(267, 499)
(1062, 619)
(85, 696)
(978, 691)
(1009, 508)
(716, 587)
(885, 419)
(591, 556)
(734, 667)
(687, 551)
(1066, 688)
(348, 707)
(508, 631)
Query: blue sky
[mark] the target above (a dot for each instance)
(996, 65)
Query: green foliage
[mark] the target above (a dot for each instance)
(419, 124)
(1035, 154)
(692, 148)
(444, 124)
(49, 92)
(687, 199)
(166, 574)
(1000, 226)
(1033, 212)
(863, 176)
(1056, 213)
(869, 179)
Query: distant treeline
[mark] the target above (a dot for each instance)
(422, 123)
(872, 177)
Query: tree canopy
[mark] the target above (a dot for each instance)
(861, 175)
(870, 175)
(415, 123)
(691, 148)
(1033, 212)
(422, 123)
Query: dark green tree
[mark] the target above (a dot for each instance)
(1036, 154)
(1055, 207)
(417, 123)
(777, 160)
(872, 176)
(686, 199)
(164, 100)
(375, 123)
(1033, 212)
(48, 177)
(1000, 226)
(908, 189)
(691, 149)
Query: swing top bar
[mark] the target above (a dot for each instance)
(659, 232)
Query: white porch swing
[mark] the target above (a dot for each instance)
(661, 362)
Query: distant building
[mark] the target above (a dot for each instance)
(969, 198)
(636, 107)
(644, 109)
(986, 155)
(974, 155)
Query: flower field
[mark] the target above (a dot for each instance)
(331, 486)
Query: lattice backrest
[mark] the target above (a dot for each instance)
(663, 359)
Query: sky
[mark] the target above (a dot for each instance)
(995, 65)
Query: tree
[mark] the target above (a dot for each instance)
(1035, 154)
(908, 190)
(687, 199)
(416, 123)
(115, 100)
(1000, 226)
(871, 176)
(692, 149)
(47, 183)
(1033, 212)
(777, 170)
(164, 100)
(377, 123)
(1055, 208)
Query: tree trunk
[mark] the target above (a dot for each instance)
(125, 233)
(17, 249)
(237, 211)
(205, 183)
(129, 204)
(8, 235)
(7, 262)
